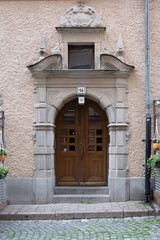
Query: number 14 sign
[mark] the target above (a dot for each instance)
(81, 90)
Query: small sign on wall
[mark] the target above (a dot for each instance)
(81, 100)
(81, 90)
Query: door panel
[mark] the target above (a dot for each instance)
(66, 151)
(95, 153)
(81, 152)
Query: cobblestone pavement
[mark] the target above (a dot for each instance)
(127, 228)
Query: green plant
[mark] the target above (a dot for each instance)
(3, 152)
(151, 163)
(156, 141)
(3, 172)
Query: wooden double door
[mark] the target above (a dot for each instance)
(81, 145)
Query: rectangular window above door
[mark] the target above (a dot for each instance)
(81, 57)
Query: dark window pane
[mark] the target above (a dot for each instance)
(64, 132)
(91, 148)
(69, 117)
(63, 148)
(72, 140)
(63, 140)
(91, 140)
(71, 148)
(72, 132)
(99, 132)
(94, 118)
(91, 132)
(99, 140)
(81, 57)
(99, 148)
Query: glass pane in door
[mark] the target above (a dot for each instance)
(69, 117)
(94, 118)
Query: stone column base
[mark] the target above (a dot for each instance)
(29, 190)
(125, 189)
(41, 190)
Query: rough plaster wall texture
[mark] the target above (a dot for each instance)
(22, 25)
(21, 32)
(154, 53)
(137, 112)
(131, 25)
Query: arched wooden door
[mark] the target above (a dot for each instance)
(81, 145)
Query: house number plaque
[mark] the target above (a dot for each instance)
(81, 90)
(81, 100)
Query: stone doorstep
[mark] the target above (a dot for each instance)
(76, 214)
(77, 198)
(81, 190)
(3, 205)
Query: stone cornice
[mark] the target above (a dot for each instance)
(78, 74)
(80, 29)
(117, 125)
(44, 126)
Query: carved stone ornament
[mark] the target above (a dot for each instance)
(104, 50)
(120, 46)
(82, 16)
(42, 46)
(56, 50)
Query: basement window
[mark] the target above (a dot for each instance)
(81, 57)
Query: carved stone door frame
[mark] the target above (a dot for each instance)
(52, 93)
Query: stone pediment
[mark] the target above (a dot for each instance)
(51, 66)
(81, 16)
(110, 62)
(50, 62)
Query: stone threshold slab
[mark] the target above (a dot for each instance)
(76, 215)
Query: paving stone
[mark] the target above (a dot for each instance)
(93, 229)
(96, 227)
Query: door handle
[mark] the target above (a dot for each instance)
(82, 147)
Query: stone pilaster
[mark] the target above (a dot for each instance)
(43, 137)
(118, 163)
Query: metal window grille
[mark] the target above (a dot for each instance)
(1, 190)
(2, 140)
(157, 180)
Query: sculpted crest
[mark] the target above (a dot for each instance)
(82, 16)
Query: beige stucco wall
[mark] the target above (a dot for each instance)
(22, 25)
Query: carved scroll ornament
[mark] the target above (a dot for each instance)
(80, 17)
